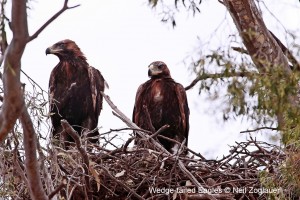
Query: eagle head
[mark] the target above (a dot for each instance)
(65, 49)
(158, 69)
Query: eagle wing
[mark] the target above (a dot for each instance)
(138, 102)
(97, 85)
(184, 109)
(51, 91)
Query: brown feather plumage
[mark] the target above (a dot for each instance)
(166, 103)
(74, 90)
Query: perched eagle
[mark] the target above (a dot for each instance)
(74, 91)
(161, 101)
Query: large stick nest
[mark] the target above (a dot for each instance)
(145, 171)
(142, 173)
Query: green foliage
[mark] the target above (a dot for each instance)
(233, 79)
(267, 181)
(169, 10)
(269, 98)
(286, 179)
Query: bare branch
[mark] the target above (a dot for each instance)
(64, 8)
(262, 47)
(35, 83)
(54, 192)
(69, 129)
(260, 128)
(13, 98)
(159, 131)
(205, 76)
(31, 162)
(287, 52)
(18, 167)
(121, 183)
(240, 49)
(122, 129)
(148, 119)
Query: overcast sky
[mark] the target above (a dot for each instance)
(121, 38)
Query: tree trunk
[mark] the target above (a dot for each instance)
(261, 45)
(266, 51)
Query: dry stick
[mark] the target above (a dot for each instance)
(68, 128)
(31, 161)
(35, 83)
(121, 183)
(18, 167)
(148, 118)
(124, 148)
(56, 190)
(122, 129)
(205, 76)
(165, 152)
(163, 128)
(47, 177)
(174, 141)
(260, 128)
(179, 151)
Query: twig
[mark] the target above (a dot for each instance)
(34, 81)
(64, 8)
(45, 170)
(121, 183)
(69, 129)
(240, 49)
(160, 130)
(18, 167)
(129, 123)
(127, 143)
(57, 189)
(260, 128)
(125, 129)
(205, 76)
(148, 118)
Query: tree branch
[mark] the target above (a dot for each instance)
(13, 98)
(57, 189)
(13, 106)
(64, 8)
(121, 183)
(287, 52)
(160, 130)
(262, 47)
(68, 128)
(205, 76)
(19, 169)
(31, 163)
(260, 128)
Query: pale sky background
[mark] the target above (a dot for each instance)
(121, 38)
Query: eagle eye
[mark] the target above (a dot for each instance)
(61, 45)
(160, 66)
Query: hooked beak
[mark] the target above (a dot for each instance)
(48, 51)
